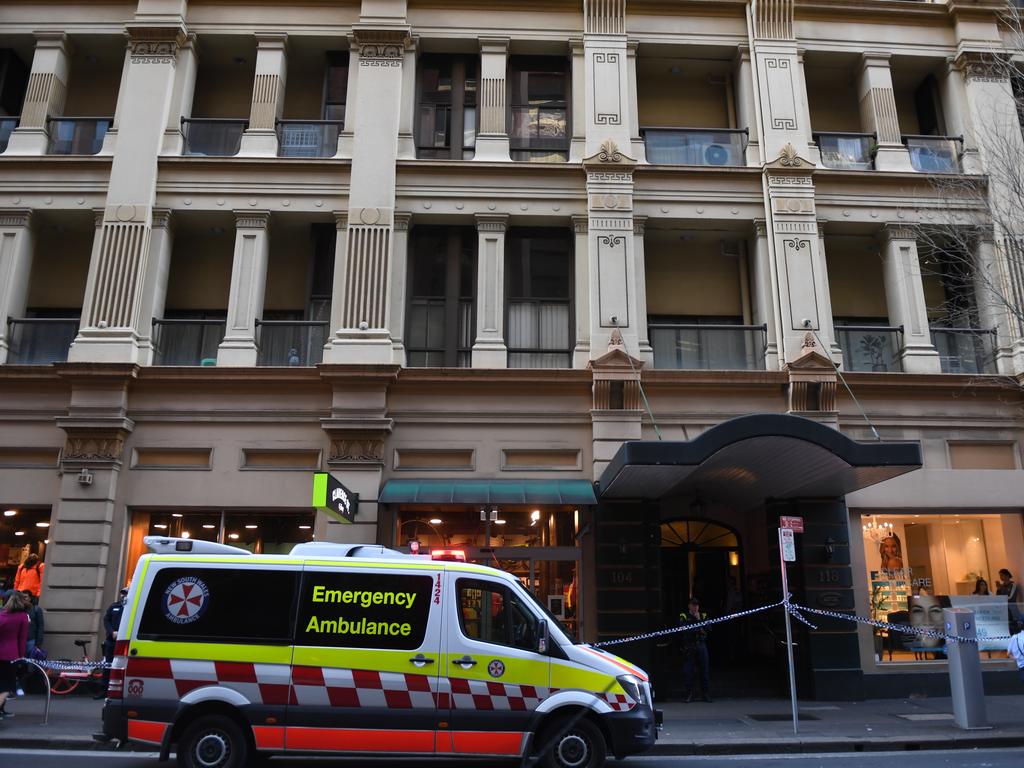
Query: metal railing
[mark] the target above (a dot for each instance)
(187, 341)
(935, 154)
(965, 350)
(695, 146)
(693, 346)
(291, 343)
(308, 138)
(213, 136)
(40, 340)
(7, 126)
(874, 348)
(846, 151)
(77, 135)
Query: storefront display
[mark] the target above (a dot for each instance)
(917, 565)
(23, 531)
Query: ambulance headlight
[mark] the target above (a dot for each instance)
(635, 689)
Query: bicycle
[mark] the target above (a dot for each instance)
(64, 681)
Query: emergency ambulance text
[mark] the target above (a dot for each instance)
(364, 599)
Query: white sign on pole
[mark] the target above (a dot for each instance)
(788, 545)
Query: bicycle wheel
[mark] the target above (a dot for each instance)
(62, 685)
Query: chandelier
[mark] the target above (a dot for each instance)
(877, 531)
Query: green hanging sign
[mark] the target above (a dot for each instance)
(335, 499)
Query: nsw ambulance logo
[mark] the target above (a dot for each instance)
(185, 599)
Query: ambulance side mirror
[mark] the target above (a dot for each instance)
(542, 637)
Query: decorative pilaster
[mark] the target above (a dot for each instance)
(489, 349)
(581, 234)
(346, 139)
(994, 297)
(636, 140)
(408, 111)
(608, 106)
(780, 81)
(260, 138)
(640, 270)
(44, 95)
(878, 112)
(181, 98)
(763, 296)
(16, 250)
(746, 111)
(154, 281)
(905, 300)
(340, 273)
(248, 286)
(399, 280)
(492, 141)
(578, 143)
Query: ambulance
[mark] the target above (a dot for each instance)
(225, 657)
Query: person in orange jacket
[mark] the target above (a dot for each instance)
(30, 576)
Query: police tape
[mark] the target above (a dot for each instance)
(794, 610)
(64, 665)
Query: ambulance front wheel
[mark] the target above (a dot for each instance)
(213, 741)
(578, 744)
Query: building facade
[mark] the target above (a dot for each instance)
(593, 290)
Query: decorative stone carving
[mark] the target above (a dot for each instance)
(789, 158)
(155, 45)
(357, 449)
(982, 67)
(15, 218)
(382, 47)
(609, 152)
(252, 219)
(773, 19)
(94, 448)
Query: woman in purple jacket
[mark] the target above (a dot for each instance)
(13, 635)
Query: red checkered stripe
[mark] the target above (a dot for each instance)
(279, 684)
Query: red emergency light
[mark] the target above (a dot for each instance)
(453, 555)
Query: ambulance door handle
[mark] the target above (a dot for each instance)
(419, 659)
(465, 661)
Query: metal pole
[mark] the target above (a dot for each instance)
(789, 640)
(46, 677)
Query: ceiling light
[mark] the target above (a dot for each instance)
(10, 512)
(436, 521)
(42, 524)
(19, 533)
(305, 527)
(232, 535)
(185, 534)
(161, 526)
(500, 522)
(176, 514)
(535, 515)
(46, 541)
(208, 526)
(252, 526)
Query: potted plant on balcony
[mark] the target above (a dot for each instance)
(873, 348)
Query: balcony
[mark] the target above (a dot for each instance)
(212, 137)
(291, 342)
(935, 154)
(965, 350)
(846, 151)
(187, 342)
(695, 146)
(7, 126)
(40, 340)
(871, 348)
(308, 138)
(77, 135)
(711, 347)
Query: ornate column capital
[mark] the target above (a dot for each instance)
(381, 46)
(580, 224)
(154, 44)
(982, 66)
(341, 219)
(15, 217)
(760, 228)
(491, 222)
(639, 225)
(162, 218)
(402, 221)
(895, 230)
(252, 219)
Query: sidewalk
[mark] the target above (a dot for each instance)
(729, 726)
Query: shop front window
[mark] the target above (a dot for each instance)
(23, 532)
(917, 565)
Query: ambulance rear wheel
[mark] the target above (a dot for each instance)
(213, 741)
(579, 745)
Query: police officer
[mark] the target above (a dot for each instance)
(111, 621)
(695, 651)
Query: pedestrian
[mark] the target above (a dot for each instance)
(30, 576)
(35, 627)
(111, 621)
(1008, 587)
(981, 588)
(13, 636)
(695, 651)
(1016, 651)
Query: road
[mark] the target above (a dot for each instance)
(960, 758)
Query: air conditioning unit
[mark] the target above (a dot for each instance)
(717, 154)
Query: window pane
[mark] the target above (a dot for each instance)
(482, 612)
(524, 626)
(469, 127)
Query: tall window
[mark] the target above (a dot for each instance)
(336, 85)
(539, 285)
(539, 108)
(446, 122)
(441, 318)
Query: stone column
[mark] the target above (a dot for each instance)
(181, 100)
(958, 113)
(763, 294)
(581, 291)
(112, 321)
(492, 141)
(399, 286)
(489, 349)
(364, 335)
(16, 251)
(44, 95)
(993, 296)
(109, 146)
(407, 113)
(606, 76)
(746, 110)
(822, 289)
(346, 138)
(878, 112)
(639, 150)
(804, 109)
(248, 284)
(260, 138)
(904, 298)
(781, 94)
(340, 273)
(154, 282)
(578, 142)
(640, 270)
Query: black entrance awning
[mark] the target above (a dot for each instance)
(752, 458)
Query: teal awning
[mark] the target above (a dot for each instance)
(434, 491)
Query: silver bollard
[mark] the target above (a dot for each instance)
(965, 670)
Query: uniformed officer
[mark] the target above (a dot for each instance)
(111, 621)
(695, 651)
